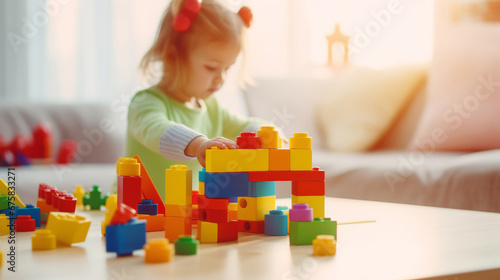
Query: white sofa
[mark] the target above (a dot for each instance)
(462, 181)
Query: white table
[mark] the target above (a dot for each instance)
(405, 242)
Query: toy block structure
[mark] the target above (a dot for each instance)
(178, 201)
(50, 199)
(68, 228)
(43, 239)
(324, 245)
(149, 190)
(129, 182)
(158, 251)
(250, 174)
(94, 198)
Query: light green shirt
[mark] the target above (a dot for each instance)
(155, 118)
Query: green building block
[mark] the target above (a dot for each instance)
(4, 201)
(94, 199)
(303, 233)
(186, 245)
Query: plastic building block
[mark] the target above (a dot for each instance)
(201, 175)
(111, 204)
(32, 211)
(301, 212)
(254, 208)
(227, 231)
(149, 190)
(24, 223)
(128, 167)
(269, 137)
(178, 185)
(233, 211)
(123, 239)
(275, 223)
(123, 214)
(153, 222)
(300, 159)
(303, 233)
(248, 140)
(308, 188)
(67, 151)
(68, 228)
(313, 175)
(79, 193)
(43, 239)
(317, 203)
(10, 213)
(258, 189)
(194, 195)
(157, 251)
(213, 216)
(147, 207)
(201, 188)
(94, 199)
(251, 226)
(67, 203)
(4, 224)
(4, 189)
(177, 226)
(213, 203)
(194, 213)
(129, 190)
(4, 201)
(207, 232)
(279, 159)
(226, 184)
(233, 199)
(324, 245)
(300, 140)
(186, 245)
(179, 210)
(42, 142)
(236, 160)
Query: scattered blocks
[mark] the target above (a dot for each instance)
(275, 223)
(157, 251)
(32, 211)
(303, 233)
(24, 223)
(43, 239)
(324, 245)
(147, 207)
(68, 228)
(124, 239)
(79, 193)
(94, 199)
(186, 245)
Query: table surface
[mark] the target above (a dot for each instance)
(404, 242)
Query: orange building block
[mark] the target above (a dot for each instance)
(178, 210)
(157, 251)
(279, 159)
(149, 190)
(153, 222)
(175, 226)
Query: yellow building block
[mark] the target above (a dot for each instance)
(128, 167)
(317, 203)
(237, 160)
(269, 137)
(1, 257)
(279, 159)
(178, 185)
(43, 239)
(79, 193)
(201, 188)
(4, 224)
(111, 204)
(255, 208)
(68, 228)
(207, 232)
(158, 251)
(4, 189)
(300, 140)
(324, 245)
(300, 159)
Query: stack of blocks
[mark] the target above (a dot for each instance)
(52, 200)
(304, 228)
(125, 233)
(250, 172)
(178, 201)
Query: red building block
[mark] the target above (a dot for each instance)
(251, 226)
(248, 140)
(194, 197)
(123, 214)
(227, 231)
(129, 190)
(301, 188)
(264, 176)
(213, 203)
(67, 203)
(25, 223)
(213, 216)
(42, 142)
(67, 152)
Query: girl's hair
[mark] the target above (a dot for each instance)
(213, 23)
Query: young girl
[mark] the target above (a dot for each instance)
(175, 121)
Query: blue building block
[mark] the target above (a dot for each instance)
(31, 210)
(275, 223)
(147, 207)
(201, 175)
(258, 189)
(282, 208)
(226, 184)
(123, 239)
(233, 199)
(10, 213)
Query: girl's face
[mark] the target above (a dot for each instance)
(207, 66)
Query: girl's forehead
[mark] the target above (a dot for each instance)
(226, 51)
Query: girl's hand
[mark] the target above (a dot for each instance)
(199, 145)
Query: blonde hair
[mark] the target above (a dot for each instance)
(213, 23)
